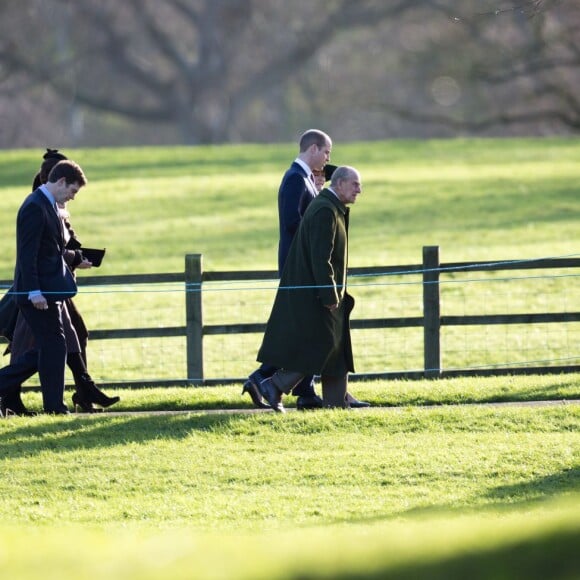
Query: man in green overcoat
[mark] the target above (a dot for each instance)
(308, 332)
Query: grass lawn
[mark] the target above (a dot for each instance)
(477, 199)
(415, 487)
(486, 199)
(380, 491)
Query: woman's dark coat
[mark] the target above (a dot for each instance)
(302, 334)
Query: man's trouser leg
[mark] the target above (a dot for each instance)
(285, 380)
(334, 390)
(46, 325)
(13, 375)
(305, 388)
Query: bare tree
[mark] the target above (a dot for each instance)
(512, 66)
(208, 71)
(195, 63)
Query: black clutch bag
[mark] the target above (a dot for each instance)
(95, 257)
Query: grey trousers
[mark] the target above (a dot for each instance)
(333, 388)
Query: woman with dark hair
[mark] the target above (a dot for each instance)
(86, 392)
(51, 158)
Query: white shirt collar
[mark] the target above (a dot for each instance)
(304, 166)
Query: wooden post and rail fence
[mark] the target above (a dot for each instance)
(432, 320)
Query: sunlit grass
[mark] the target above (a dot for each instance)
(440, 492)
(210, 472)
(477, 199)
(396, 491)
(535, 543)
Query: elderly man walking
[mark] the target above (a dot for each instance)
(308, 332)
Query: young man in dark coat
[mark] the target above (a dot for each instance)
(308, 332)
(76, 334)
(42, 281)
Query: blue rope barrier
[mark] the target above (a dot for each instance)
(206, 288)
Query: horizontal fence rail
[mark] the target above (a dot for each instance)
(432, 320)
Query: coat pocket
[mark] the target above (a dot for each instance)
(59, 287)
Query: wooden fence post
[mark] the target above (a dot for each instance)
(431, 312)
(194, 316)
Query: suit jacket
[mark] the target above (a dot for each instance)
(40, 249)
(295, 193)
(302, 334)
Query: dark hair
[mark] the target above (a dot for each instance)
(70, 171)
(51, 158)
(313, 137)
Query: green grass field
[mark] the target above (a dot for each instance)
(512, 199)
(419, 486)
(477, 199)
(395, 492)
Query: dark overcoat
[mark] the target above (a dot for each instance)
(302, 334)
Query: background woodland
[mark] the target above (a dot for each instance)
(88, 73)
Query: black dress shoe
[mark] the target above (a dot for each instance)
(309, 403)
(7, 411)
(253, 390)
(354, 403)
(272, 394)
(62, 411)
(359, 404)
(15, 408)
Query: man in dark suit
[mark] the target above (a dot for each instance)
(297, 190)
(42, 280)
(298, 187)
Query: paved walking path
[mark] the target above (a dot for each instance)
(374, 408)
(112, 413)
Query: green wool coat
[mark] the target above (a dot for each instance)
(302, 334)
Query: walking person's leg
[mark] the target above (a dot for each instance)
(281, 382)
(334, 390)
(47, 327)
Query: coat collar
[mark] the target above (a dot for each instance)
(327, 194)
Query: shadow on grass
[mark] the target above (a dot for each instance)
(532, 492)
(553, 555)
(566, 390)
(66, 435)
(505, 498)
(540, 393)
(567, 480)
